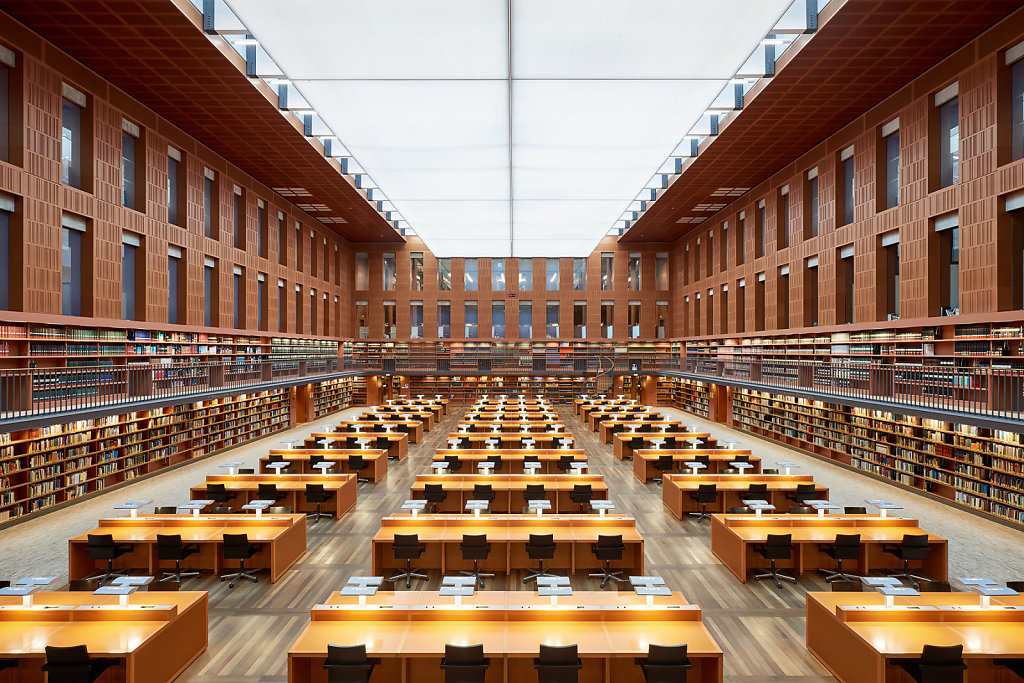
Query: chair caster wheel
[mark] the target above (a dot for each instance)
(255, 580)
(222, 579)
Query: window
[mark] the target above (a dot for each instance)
(710, 256)
(1016, 110)
(551, 276)
(498, 275)
(390, 272)
(72, 263)
(416, 319)
(390, 320)
(444, 319)
(844, 285)
(470, 320)
(312, 254)
(498, 319)
(844, 188)
(782, 299)
(709, 312)
(525, 274)
(686, 264)
(72, 135)
(607, 271)
(696, 316)
(444, 274)
(949, 141)
(282, 307)
(662, 269)
(633, 319)
(175, 187)
(131, 183)
(299, 310)
(579, 274)
(525, 320)
(782, 222)
(759, 316)
(741, 306)
(209, 205)
(363, 319)
(298, 246)
(470, 279)
(238, 299)
(889, 275)
(327, 314)
(362, 271)
(889, 166)
(416, 272)
(579, 320)
(607, 319)
(947, 233)
(811, 292)
(696, 259)
(175, 285)
(210, 292)
(6, 66)
(312, 311)
(633, 273)
(238, 216)
(130, 263)
(262, 301)
(661, 319)
(760, 233)
(337, 267)
(282, 240)
(723, 248)
(551, 320)
(723, 308)
(811, 205)
(741, 237)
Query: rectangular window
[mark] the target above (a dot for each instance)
(128, 169)
(525, 320)
(209, 206)
(607, 319)
(525, 274)
(607, 271)
(782, 299)
(633, 319)
(416, 271)
(337, 274)
(741, 306)
(282, 307)
(633, 273)
(551, 320)
(723, 248)
(845, 188)
(723, 308)
(759, 316)
(263, 230)
(498, 275)
(130, 261)
(71, 143)
(470, 320)
(811, 205)
(282, 240)
(444, 319)
(498, 319)
(6, 134)
(300, 310)
(174, 186)
(696, 259)
(416, 319)
(175, 280)
(262, 302)
(710, 254)
(760, 232)
(844, 285)
(298, 247)
(313, 266)
(390, 272)
(661, 270)
(470, 275)
(209, 292)
(579, 274)
(390, 320)
(551, 275)
(238, 298)
(444, 274)
(686, 264)
(949, 142)
(72, 264)
(948, 234)
(238, 216)
(579, 320)
(363, 319)
(696, 316)
(889, 275)
(661, 319)
(811, 292)
(890, 166)
(782, 222)
(1016, 110)
(362, 271)
(741, 238)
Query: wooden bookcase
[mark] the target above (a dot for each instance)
(465, 389)
(687, 395)
(338, 394)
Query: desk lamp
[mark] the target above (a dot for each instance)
(552, 587)
(602, 506)
(364, 444)
(822, 506)
(415, 505)
(650, 587)
(883, 506)
(458, 587)
(231, 467)
(476, 506)
(362, 586)
(453, 444)
(889, 587)
(259, 506)
(196, 506)
(27, 587)
(439, 466)
(758, 506)
(986, 590)
(132, 506)
(787, 467)
(289, 444)
(539, 505)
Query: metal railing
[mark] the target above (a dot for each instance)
(37, 392)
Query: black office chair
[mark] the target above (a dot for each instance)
(315, 460)
(913, 548)
(102, 547)
(855, 510)
(165, 510)
(464, 442)
(671, 443)
(636, 443)
(705, 495)
(218, 493)
(268, 492)
(937, 664)
(558, 664)
(801, 510)
(665, 664)
(540, 547)
(83, 585)
(803, 493)
(739, 510)
(475, 547)
(740, 458)
(357, 465)
(704, 460)
(351, 442)
(170, 547)
(73, 665)
(316, 494)
(606, 549)
(1014, 665)
(565, 463)
(840, 586)
(454, 464)
(237, 547)
(407, 547)
(776, 547)
(435, 495)
(664, 464)
(484, 492)
(464, 664)
(246, 470)
(349, 664)
(223, 510)
(498, 464)
(934, 587)
(756, 492)
(164, 586)
(384, 444)
(581, 494)
(1016, 585)
(845, 547)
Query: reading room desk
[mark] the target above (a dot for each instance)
(624, 441)
(513, 460)
(732, 488)
(398, 442)
(376, 460)
(414, 428)
(342, 488)
(718, 460)
(509, 490)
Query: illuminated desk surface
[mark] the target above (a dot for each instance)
(438, 407)
(509, 489)
(624, 442)
(732, 488)
(594, 418)
(718, 460)
(342, 488)
(513, 459)
(606, 428)
(376, 460)
(484, 426)
(398, 442)
(427, 417)
(414, 428)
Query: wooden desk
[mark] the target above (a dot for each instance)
(624, 409)
(624, 442)
(514, 440)
(414, 428)
(153, 645)
(341, 487)
(509, 490)
(581, 404)
(283, 538)
(376, 460)
(424, 416)
(398, 443)
(512, 460)
(409, 636)
(508, 535)
(676, 490)
(487, 424)
(718, 460)
(594, 418)
(607, 428)
(437, 406)
(858, 645)
(732, 538)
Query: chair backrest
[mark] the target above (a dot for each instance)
(315, 459)
(315, 492)
(168, 542)
(565, 462)
(453, 462)
(609, 541)
(74, 655)
(474, 540)
(434, 493)
(806, 488)
(165, 510)
(667, 655)
(855, 510)
(267, 491)
(707, 490)
(847, 586)
(942, 654)
(933, 587)
(779, 541)
(100, 541)
(739, 458)
(558, 655)
(246, 470)
(346, 655)
(848, 540)
(636, 443)
(769, 471)
(760, 490)
(236, 540)
(703, 459)
(541, 541)
(914, 546)
(665, 462)
(1016, 585)
(215, 489)
(406, 541)
(356, 462)
(535, 492)
(464, 655)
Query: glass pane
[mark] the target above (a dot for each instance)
(172, 290)
(444, 274)
(498, 320)
(261, 299)
(812, 195)
(525, 320)
(5, 112)
(661, 268)
(607, 272)
(444, 320)
(261, 227)
(282, 316)
(390, 327)
(551, 275)
(236, 216)
(362, 271)
(237, 299)
(363, 319)
(470, 281)
(892, 170)
(390, 272)
(416, 267)
(470, 320)
(208, 207)
(127, 170)
(71, 144)
(1016, 110)
(848, 191)
(525, 274)
(949, 143)
(579, 274)
(207, 296)
(172, 190)
(127, 282)
(498, 275)
(552, 320)
(416, 320)
(71, 273)
(579, 321)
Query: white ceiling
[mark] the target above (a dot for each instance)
(510, 127)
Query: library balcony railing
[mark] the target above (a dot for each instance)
(986, 391)
(39, 392)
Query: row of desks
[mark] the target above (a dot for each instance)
(438, 406)
(245, 487)
(414, 428)
(718, 460)
(677, 490)
(625, 443)
(427, 417)
(514, 439)
(397, 444)
(608, 428)
(513, 461)
(299, 459)
(509, 490)
(594, 418)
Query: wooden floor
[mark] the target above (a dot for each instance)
(760, 628)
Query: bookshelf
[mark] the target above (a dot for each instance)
(687, 395)
(979, 468)
(465, 389)
(338, 394)
(48, 466)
